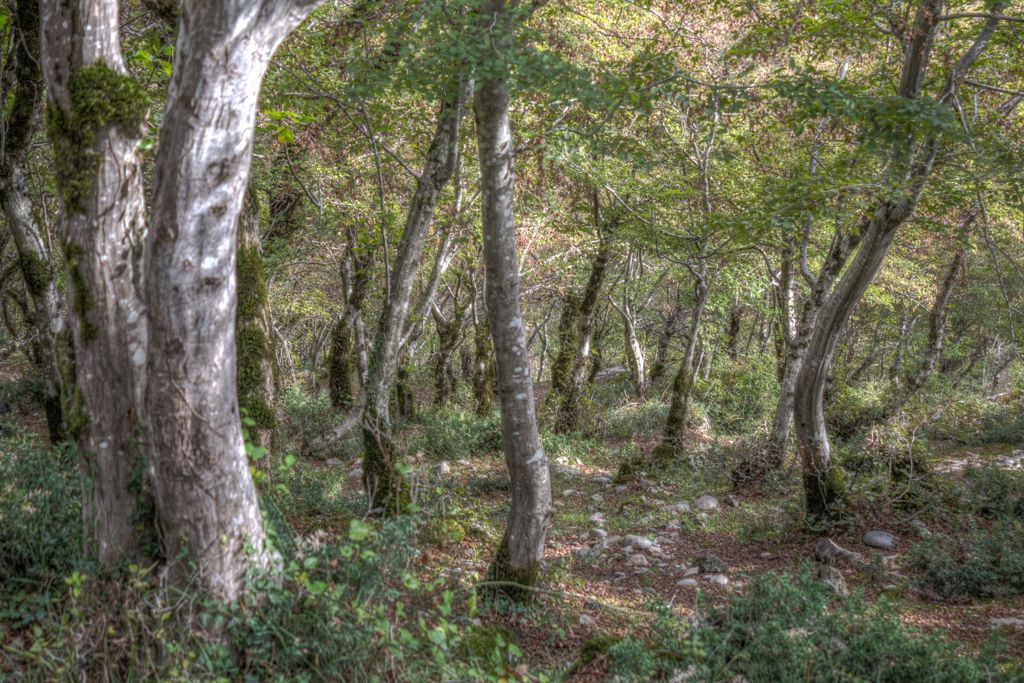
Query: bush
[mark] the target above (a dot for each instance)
(348, 610)
(740, 395)
(783, 629)
(990, 563)
(851, 408)
(455, 435)
(307, 419)
(40, 512)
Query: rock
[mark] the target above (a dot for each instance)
(638, 560)
(674, 525)
(597, 518)
(880, 539)
(639, 542)
(706, 502)
(587, 620)
(731, 500)
(691, 571)
(597, 498)
(443, 467)
(591, 553)
(640, 571)
(890, 561)
(686, 582)
(833, 578)
(827, 551)
(682, 507)
(1008, 623)
(621, 488)
(602, 480)
(464, 462)
(718, 579)
(710, 564)
(333, 462)
(598, 534)
(920, 528)
(613, 541)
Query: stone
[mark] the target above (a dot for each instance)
(602, 480)
(613, 540)
(640, 571)
(682, 507)
(920, 528)
(598, 534)
(880, 539)
(706, 502)
(674, 525)
(597, 518)
(731, 500)
(684, 583)
(443, 467)
(1008, 623)
(833, 578)
(827, 551)
(638, 560)
(333, 462)
(691, 571)
(639, 542)
(890, 562)
(621, 488)
(718, 579)
(587, 620)
(710, 564)
(464, 462)
(597, 498)
(568, 493)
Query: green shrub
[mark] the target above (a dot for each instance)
(740, 395)
(456, 434)
(850, 408)
(340, 610)
(40, 512)
(785, 628)
(989, 563)
(306, 421)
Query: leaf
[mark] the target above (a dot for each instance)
(358, 530)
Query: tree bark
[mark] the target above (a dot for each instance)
(340, 371)
(517, 562)
(675, 423)
(23, 71)
(205, 495)
(909, 172)
(449, 335)
(665, 338)
(384, 485)
(95, 122)
(254, 335)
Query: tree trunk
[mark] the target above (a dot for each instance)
(21, 119)
(675, 423)
(665, 338)
(483, 369)
(340, 375)
(207, 503)
(95, 122)
(937, 323)
(634, 350)
(254, 337)
(449, 334)
(517, 562)
(576, 348)
(908, 172)
(384, 485)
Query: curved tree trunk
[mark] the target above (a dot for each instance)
(675, 423)
(384, 485)
(909, 172)
(205, 496)
(22, 69)
(254, 336)
(517, 562)
(95, 122)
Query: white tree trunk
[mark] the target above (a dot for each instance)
(205, 495)
(518, 559)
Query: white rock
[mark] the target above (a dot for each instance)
(597, 498)
(568, 493)
(639, 542)
(880, 539)
(597, 518)
(718, 579)
(587, 620)
(638, 560)
(691, 571)
(444, 468)
(706, 502)
(686, 582)
(333, 462)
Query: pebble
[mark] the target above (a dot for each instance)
(464, 462)
(706, 502)
(444, 468)
(833, 578)
(686, 582)
(682, 507)
(639, 542)
(603, 480)
(710, 564)
(621, 488)
(597, 518)
(334, 462)
(597, 498)
(920, 528)
(638, 561)
(719, 579)
(568, 493)
(587, 620)
(731, 500)
(691, 571)
(598, 534)
(640, 571)
(880, 539)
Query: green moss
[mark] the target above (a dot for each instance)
(253, 347)
(825, 494)
(480, 642)
(100, 97)
(36, 272)
(81, 297)
(339, 367)
(513, 583)
(384, 484)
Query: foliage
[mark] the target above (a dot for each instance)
(785, 628)
(740, 395)
(456, 434)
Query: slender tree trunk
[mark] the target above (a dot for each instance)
(483, 369)
(384, 485)
(665, 338)
(22, 69)
(207, 503)
(517, 562)
(634, 350)
(910, 170)
(937, 322)
(95, 122)
(254, 336)
(341, 375)
(675, 423)
(449, 334)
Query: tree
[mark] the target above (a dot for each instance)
(23, 71)
(515, 566)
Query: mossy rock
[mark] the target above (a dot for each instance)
(481, 642)
(441, 531)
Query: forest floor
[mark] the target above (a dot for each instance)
(751, 532)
